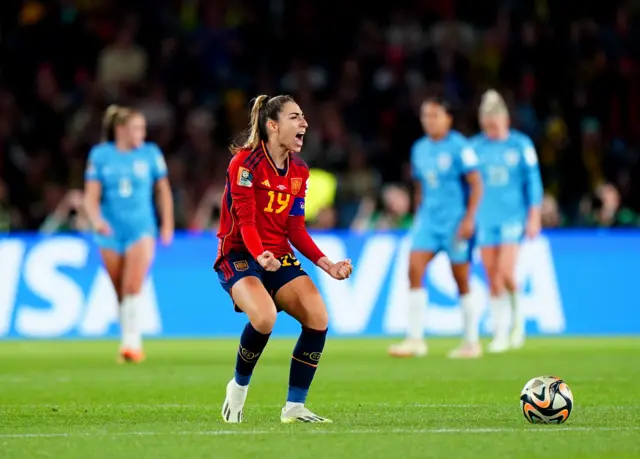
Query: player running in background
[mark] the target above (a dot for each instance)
(448, 191)
(509, 211)
(262, 211)
(122, 174)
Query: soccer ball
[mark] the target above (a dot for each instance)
(546, 400)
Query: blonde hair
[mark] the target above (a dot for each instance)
(115, 115)
(262, 110)
(492, 103)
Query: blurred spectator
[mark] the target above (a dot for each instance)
(551, 217)
(602, 208)
(66, 213)
(207, 215)
(570, 78)
(393, 212)
(8, 216)
(122, 62)
(327, 218)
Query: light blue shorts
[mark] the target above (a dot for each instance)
(424, 239)
(499, 234)
(123, 241)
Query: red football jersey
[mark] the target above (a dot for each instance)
(258, 193)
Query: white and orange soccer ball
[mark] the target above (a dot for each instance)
(546, 400)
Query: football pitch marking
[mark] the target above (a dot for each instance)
(188, 406)
(445, 430)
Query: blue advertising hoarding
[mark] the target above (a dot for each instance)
(573, 283)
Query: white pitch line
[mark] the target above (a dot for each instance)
(157, 406)
(554, 429)
(145, 406)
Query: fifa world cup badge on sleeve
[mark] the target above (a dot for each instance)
(244, 177)
(296, 184)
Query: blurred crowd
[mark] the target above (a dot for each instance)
(570, 78)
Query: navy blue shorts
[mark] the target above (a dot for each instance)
(237, 266)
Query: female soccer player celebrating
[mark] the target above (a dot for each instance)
(122, 174)
(509, 210)
(448, 191)
(262, 211)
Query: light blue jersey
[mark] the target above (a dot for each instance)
(441, 167)
(127, 180)
(512, 185)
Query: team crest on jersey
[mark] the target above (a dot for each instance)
(140, 168)
(444, 161)
(241, 265)
(511, 157)
(244, 177)
(296, 184)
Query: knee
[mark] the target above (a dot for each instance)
(509, 281)
(130, 287)
(265, 320)
(496, 284)
(318, 319)
(416, 274)
(463, 284)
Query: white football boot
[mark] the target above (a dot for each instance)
(517, 337)
(233, 406)
(499, 345)
(466, 351)
(300, 413)
(409, 348)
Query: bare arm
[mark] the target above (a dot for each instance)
(365, 211)
(211, 199)
(417, 194)
(92, 196)
(475, 196)
(164, 201)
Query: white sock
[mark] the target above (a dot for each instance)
(129, 323)
(418, 302)
(290, 405)
(500, 317)
(471, 318)
(516, 310)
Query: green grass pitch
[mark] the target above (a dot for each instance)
(71, 400)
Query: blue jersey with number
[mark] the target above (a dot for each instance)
(441, 166)
(511, 178)
(127, 180)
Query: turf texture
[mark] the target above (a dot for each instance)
(71, 400)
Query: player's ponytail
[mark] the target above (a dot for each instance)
(115, 115)
(108, 123)
(252, 136)
(263, 109)
(256, 130)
